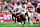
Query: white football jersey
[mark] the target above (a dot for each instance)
(25, 5)
(16, 6)
(22, 11)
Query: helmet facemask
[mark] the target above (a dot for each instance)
(29, 4)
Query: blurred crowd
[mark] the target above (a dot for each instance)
(6, 4)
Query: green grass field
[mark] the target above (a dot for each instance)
(11, 24)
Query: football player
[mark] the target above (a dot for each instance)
(38, 12)
(31, 9)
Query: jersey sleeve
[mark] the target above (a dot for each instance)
(33, 9)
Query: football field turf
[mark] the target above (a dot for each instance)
(11, 24)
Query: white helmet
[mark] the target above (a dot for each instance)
(29, 4)
(38, 4)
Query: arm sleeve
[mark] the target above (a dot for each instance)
(33, 9)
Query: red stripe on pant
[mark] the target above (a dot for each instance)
(19, 15)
